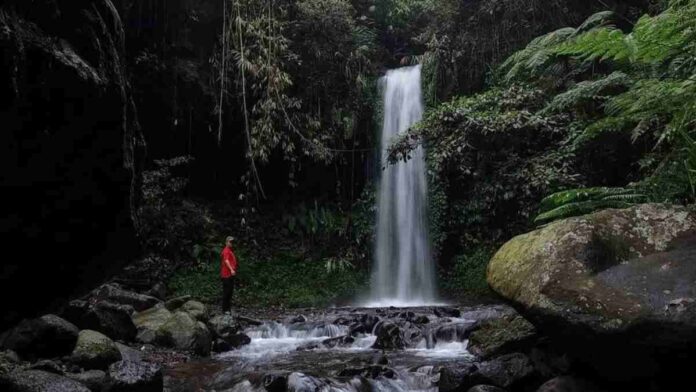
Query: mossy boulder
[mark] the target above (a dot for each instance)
(185, 333)
(616, 288)
(148, 322)
(94, 350)
(196, 309)
(500, 336)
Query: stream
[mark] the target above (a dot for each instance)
(341, 349)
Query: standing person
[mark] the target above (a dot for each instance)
(228, 271)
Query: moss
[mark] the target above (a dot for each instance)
(501, 335)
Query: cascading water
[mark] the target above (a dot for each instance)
(403, 272)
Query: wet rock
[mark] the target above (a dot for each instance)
(422, 319)
(158, 290)
(507, 371)
(129, 376)
(221, 346)
(224, 325)
(453, 332)
(501, 336)
(275, 381)
(488, 312)
(237, 340)
(185, 333)
(39, 381)
(397, 335)
(298, 319)
(615, 289)
(341, 341)
(381, 360)
(485, 388)
(568, 384)
(94, 350)
(111, 319)
(373, 371)
(196, 309)
(446, 312)
(245, 322)
(48, 365)
(149, 322)
(44, 337)
(175, 303)
(456, 377)
(113, 293)
(94, 380)
(358, 329)
(9, 360)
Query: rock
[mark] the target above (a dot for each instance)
(224, 325)
(248, 321)
(48, 365)
(175, 303)
(275, 381)
(568, 384)
(373, 371)
(298, 319)
(446, 312)
(185, 333)
(237, 340)
(39, 381)
(511, 371)
(196, 309)
(65, 58)
(9, 360)
(113, 293)
(501, 336)
(392, 336)
(129, 376)
(615, 289)
(341, 341)
(148, 322)
(221, 346)
(94, 380)
(113, 320)
(94, 350)
(485, 388)
(456, 377)
(44, 337)
(454, 332)
(422, 319)
(158, 290)
(128, 353)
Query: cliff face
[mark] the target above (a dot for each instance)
(70, 149)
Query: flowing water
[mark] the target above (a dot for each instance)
(403, 273)
(337, 350)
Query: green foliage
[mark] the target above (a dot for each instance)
(589, 92)
(286, 280)
(468, 275)
(576, 202)
(316, 222)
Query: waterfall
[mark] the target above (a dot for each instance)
(403, 273)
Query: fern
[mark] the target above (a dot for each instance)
(536, 58)
(590, 90)
(583, 201)
(578, 208)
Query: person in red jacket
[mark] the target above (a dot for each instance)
(228, 271)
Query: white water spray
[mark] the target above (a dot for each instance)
(404, 273)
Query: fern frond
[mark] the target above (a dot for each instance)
(559, 199)
(589, 90)
(578, 208)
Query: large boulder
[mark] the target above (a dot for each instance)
(568, 384)
(43, 337)
(111, 319)
(149, 322)
(503, 335)
(95, 380)
(196, 309)
(94, 350)
(185, 333)
(130, 376)
(614, 288)
(112, 292)
(39, 381)
(396, 336)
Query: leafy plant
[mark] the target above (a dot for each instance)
(583, 201)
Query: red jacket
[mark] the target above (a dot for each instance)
(227, 254)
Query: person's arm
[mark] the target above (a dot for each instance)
(229, 265)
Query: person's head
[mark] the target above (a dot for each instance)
(228, 240)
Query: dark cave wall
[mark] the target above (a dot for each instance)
(70, 151)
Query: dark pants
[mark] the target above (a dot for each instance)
(227, 291)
